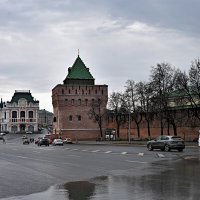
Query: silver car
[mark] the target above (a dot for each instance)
(166, 143)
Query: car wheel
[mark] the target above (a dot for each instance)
(167, 148)
(150, 148)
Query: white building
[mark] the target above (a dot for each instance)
(20, 114)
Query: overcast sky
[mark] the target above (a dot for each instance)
(118, 40)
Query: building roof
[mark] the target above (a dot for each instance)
(79, 70)
(25, 94)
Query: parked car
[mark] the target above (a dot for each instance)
(2, 133)
(57, 142)
(166, 143)
(29, 132)
(43, 141)
(67, 141)
(24, 137)
(26, 141)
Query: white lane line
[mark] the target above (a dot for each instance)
(108, 152)
(135, 161)
(123, 153)
(160, 155)
(140, 154)
(84, 150)
(74, 149)
(22, 157)
(95, 151)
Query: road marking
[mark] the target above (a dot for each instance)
(108, 152)
(84, 150)
(135, 161)
(160, 155)
(123, 153)
(22, 157)
(95, 151)
(140, 154)
(74, 149)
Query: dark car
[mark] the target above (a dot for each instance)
(43, 141)
(166, 143)
(26, 141)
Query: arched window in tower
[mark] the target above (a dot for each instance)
(70, 118)
(76, 91)
(79, 117)
(89, 91)
(69, 91)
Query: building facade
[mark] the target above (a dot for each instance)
(72, 102)
(20, 114)
(45, 119)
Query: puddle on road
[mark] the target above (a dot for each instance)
(180, 181)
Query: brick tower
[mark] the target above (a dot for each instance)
(72, 102)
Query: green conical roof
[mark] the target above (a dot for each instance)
(79, 70)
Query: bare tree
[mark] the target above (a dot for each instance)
(189, 86)
(116, 105)
(144, 92)
(163, 81)
(98, 113)
(133, 100)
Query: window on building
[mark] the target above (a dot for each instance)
(72, 101)
(14, 116)
(82, 91)
(30, 116)
(79, 102)
(79, 118)
(54, 119)
(86, 102)
(70, 118)
(5, 115)
(22, 116)
(62, 91)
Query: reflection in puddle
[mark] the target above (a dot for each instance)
(81, 190)
(180, 181)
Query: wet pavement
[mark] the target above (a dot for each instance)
(163, 180)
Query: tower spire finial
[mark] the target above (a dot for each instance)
(78, 52)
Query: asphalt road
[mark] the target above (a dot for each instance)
(28, 169)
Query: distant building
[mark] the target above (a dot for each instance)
(20, 114)
(72, 103)
(45, 119)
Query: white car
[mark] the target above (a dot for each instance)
(2, 134)
(57, 142)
